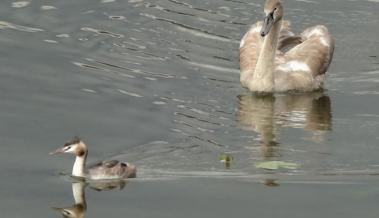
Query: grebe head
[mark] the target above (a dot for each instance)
(76, 211)
(75, 146)
(273, 13)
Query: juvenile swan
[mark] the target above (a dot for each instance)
(267, 65)
(111, 169)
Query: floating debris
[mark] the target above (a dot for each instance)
(274, 165)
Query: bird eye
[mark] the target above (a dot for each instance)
(275, 9)
(67, 213)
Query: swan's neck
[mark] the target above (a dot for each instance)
(264, 70)
(79, 165)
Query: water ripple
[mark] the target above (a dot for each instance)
(192, 30)
(130, 93)
(102, 32)
(115, 17)
(20, 4)
(5, 25)
(215, 68)
(47, 7)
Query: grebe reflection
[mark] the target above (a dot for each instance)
(79, 208)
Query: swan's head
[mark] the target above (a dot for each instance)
(273, 13)
(74, 146)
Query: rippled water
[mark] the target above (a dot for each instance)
(157, 83)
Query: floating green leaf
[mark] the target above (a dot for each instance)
(274, 165)
(226, 159)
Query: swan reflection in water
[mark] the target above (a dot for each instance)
(266, 114)
(78, 209)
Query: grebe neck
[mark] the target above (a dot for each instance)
(79, 165)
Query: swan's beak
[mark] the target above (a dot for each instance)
(58, 151)
(267, 24)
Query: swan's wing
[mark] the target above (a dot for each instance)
(250, 47)
(315, 52)
(288, 42)
(287, 39)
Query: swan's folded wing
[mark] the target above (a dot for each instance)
(287, 39)
(316, 50)
(287, 42)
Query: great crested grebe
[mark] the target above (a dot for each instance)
(110, 169)
(267, 65)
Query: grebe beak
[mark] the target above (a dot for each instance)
(58, 151)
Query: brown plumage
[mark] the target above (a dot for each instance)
(273, 58)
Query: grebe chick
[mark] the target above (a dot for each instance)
(110, 169)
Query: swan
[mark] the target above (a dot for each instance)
(274, 59)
